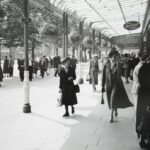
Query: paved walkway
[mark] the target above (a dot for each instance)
(46, 129)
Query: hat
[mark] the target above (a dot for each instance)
(144, 56)
(65, 59)
(95, 55)
(113, 53)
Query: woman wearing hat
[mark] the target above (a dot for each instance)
(67, 75)
(93, 71)
(115, 91)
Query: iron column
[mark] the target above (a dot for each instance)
(81, 52)
(93, 43)
(65, 34)
(26, 107)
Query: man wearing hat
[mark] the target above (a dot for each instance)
(67, 75)
(93, 71)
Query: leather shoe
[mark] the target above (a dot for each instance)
(66, 115)
(73, 111)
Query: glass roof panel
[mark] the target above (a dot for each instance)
(108, 16)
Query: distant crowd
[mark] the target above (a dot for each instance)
(43, 66)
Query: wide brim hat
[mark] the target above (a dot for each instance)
(65, 59)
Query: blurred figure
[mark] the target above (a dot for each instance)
(126, 68)
(50, 64)
(93, 71)
(136, 84)
(143, 104)
(30, 68)
(1, 76)
(46, 67)
(56, 62)
(21, 67)
(11, 66)
(133, 62)
(115, 91)
(35, 67)
(73, 62)
(43, 65)
(67, 75)
(6, 67)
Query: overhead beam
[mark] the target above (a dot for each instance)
(146, 21)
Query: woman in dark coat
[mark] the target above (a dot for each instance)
(143, 96)
(6, 66)
(67, 75)
(116, 94)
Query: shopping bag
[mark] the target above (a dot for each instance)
(59, 100)
(88, 78)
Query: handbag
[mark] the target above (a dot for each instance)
(76, 87)
(144, 126)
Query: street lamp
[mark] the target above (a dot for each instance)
(26, 20)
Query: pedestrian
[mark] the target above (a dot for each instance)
(1, 75)
(56, 63)
(21, 67)
(143, 102)
(67, 75)
(30, 68)
(6, 67)
(43, 65)
(93, 71)
(11, 66)
(136, 84)
(126, 67)
(115, 91)
(35, 66)
(49, 64)
(46, 67)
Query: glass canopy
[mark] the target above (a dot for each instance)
(108, 16)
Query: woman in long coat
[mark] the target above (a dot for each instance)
(67, 75)
(6, 66)
(116, 94)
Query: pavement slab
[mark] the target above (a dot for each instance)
(46, 129)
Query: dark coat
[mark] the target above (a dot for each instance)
(144, 92)
(6, 66)
(43, 64)
(1, 74)
(68, 94)
(116, 94)
(73, 63)
(21, 63)
(56, 61)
